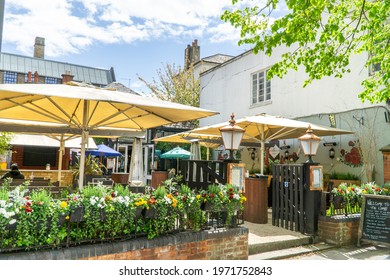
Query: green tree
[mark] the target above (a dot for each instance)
(5, 139)
(175, 85)
(321, 36)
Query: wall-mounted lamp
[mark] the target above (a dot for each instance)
(329, 144)
(332, 153)
(285, 147)
(253, 155)
(286, 154)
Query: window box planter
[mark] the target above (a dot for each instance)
(77, 215)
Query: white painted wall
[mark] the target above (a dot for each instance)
(227, 89)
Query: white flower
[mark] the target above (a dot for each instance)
(168, 200)
(92, 200)
(11, 222)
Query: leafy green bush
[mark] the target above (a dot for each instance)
(343, 176)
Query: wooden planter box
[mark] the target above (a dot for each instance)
(337, 182)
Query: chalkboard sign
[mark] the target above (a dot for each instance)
(375, 220)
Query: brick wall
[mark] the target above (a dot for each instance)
(66, 175)
(339, 230)
(225, 244)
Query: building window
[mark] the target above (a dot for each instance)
(10, 77)
(261, 87)
(51, 80)
(374, 68)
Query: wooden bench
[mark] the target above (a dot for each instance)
(35, 184)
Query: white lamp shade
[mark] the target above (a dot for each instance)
(232, 138)
(232, 135)
(310, 147)
(310, 143)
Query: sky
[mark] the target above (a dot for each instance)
(135, 37)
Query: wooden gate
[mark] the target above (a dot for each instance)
(199, 174)
(288, 196)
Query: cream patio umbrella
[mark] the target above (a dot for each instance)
(262, 128)
(86, 111)
(61, 133)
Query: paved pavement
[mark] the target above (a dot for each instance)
(367, 252)
(268, 242)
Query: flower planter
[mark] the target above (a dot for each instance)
(149, 213)
(77, 215)
(338, 202)
(61, 220)
(13, 226)
(103, 215)
(338, 182)
(138, 212)
(208, 206)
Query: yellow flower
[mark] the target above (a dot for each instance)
(198, 196)
(67, 217)
(64, 204)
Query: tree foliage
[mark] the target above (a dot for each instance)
(321, 35)
(175, 85)
(5, 139)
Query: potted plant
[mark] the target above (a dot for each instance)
(190, 203)
(233, 201)
(337, 178)
(92, 168)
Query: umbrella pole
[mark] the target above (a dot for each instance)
(262, 151)
(84, 139)
(60, 155)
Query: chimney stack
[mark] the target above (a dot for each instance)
(191, 54)
(29, 77)
(39, 47)
(36, 77)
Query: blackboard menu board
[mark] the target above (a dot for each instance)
(375, 220)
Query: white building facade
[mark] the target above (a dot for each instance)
(240, 86)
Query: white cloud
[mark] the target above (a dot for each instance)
(70, 27)
(73, 26)
(223, 32)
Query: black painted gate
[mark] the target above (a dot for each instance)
(288, 196)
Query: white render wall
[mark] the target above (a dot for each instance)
(227, 89)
